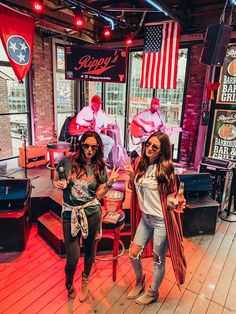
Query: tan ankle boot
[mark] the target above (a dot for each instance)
(137, 289)
(148, 297)
(72, 292)
(84, 288)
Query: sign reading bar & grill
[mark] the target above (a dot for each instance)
(101, 65)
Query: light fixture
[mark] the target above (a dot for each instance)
(79, 21)
(37, 6)
(107, 33)
(129, 41)
(157, 6)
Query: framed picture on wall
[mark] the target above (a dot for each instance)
(223, 137)
(227, 90)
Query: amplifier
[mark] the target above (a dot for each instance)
(222, 173)
(14, 194)
(196, 184)
(35, 156)
(200, 217)
(15, 228)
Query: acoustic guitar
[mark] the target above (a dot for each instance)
(138, 131)
(80, 129)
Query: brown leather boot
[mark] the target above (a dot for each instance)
(84, 288)
(148, 297)
(72, 292)
(137, 289)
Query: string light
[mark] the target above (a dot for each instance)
(37, 6)
(129, 41)
(107, 33)
(79, 21)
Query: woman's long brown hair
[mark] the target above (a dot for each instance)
(79, 160)
(165, 169)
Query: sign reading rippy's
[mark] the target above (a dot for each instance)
(223, 139)
(227, 90)
(101, 65)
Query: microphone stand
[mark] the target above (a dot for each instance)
(23, 137)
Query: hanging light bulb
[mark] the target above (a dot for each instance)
(107, 33)
(37, 6)
(129, 41)
(79, 21)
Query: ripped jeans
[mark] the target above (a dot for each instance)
(151, 226)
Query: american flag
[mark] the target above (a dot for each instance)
(160, 56)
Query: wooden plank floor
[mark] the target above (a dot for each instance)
(32, 281)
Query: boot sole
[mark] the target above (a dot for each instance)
(141, 303)
(135, 296)
(84, 298)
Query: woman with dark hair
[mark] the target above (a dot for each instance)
(154, 187)
(83, 179)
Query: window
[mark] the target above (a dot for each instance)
(14, 110)
(115, 106)
(65, 91)
(139, 98)
(171, 100)
(91, 89)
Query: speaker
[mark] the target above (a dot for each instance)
(215, 44)
(196, 184)
(14, 194)
(15, 228)
(15, 213)
(200, 216)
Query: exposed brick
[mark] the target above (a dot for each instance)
(192, 111)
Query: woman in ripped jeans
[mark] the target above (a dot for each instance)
(154, 183)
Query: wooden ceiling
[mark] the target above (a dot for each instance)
(129, 17)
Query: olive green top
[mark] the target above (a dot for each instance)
(83, 190)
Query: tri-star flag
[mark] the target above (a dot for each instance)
(160, 56)
(17, 35)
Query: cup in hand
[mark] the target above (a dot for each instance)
(180, 198)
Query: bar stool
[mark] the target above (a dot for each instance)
(58, 147)
(112, 231)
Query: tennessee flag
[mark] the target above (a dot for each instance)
(160, 56)
(17, 35)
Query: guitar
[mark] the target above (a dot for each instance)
(81, 128)
(138, 131)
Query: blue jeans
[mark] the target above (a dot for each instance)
(108, 143)
(151, 227)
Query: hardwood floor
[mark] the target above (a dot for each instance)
(32, 281)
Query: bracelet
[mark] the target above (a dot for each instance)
(108, 186)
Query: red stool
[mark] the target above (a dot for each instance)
(58, 147)
(112, 231)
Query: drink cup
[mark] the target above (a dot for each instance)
(180, 198)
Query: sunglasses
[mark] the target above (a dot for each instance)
(94, 147)
(152, 146)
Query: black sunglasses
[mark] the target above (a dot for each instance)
(153, 146)
(93, 146)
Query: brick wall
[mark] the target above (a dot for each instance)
(192, 110)
(42, 73)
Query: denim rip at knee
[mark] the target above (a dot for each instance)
(151, 226)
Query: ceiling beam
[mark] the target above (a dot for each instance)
(171, 13)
